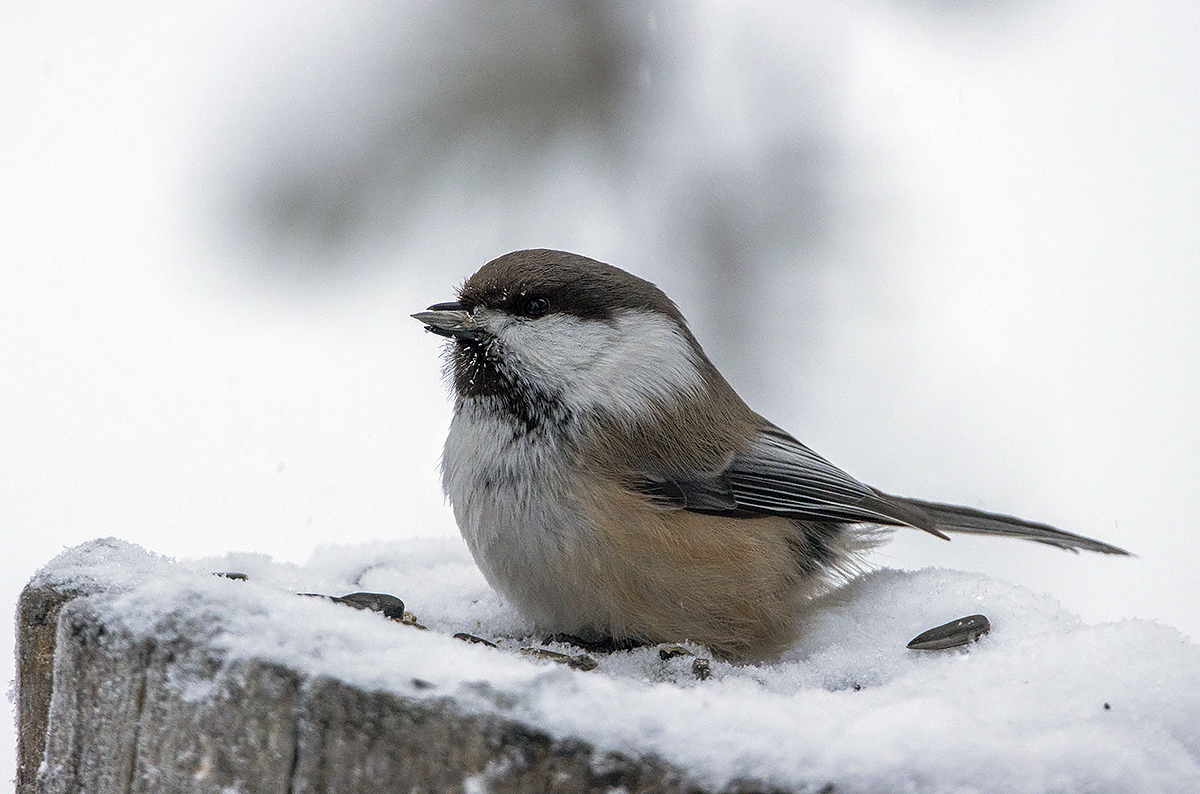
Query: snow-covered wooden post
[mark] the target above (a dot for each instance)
(144, 674)
(116, 698)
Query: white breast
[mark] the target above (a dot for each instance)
(509, 490)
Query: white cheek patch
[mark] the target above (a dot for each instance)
(620, 367)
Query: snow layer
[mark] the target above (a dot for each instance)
(1044, 703)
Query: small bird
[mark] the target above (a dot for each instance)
(612, 486)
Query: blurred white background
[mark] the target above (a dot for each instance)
(951, 246)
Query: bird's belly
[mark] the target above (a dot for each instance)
(589, 558)
(511, 498)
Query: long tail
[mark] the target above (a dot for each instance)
(954, 518)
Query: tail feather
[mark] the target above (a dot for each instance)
(954, 518)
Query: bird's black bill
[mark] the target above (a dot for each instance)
(450, 320)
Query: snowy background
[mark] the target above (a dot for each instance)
(951, 246)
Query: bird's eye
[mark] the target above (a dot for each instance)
(534, 308)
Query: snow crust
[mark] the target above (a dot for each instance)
(1044, 703)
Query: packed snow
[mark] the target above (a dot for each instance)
(1043, 703)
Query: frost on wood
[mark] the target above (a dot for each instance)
(156, 675)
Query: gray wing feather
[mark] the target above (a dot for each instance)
(778, 475)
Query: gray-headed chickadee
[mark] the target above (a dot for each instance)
(611, 484)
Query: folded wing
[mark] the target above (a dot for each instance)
(778, 475)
